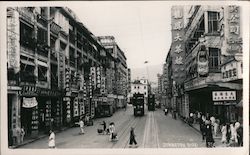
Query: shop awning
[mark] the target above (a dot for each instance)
(42, 63)
(27, 62)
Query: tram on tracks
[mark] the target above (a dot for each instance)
(138, 104)
(151, 102)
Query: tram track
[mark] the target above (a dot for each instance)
(150, 138)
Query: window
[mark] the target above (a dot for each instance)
(144, 87)
(213, 21)
(42, 73)
(42, 36)
(26, 36)
(135, 87)
(138, 87)
(72, 57)
(214, 59)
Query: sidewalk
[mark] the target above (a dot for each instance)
(217, 139)
(40, 136)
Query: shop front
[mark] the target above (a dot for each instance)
(104, 107)
(40, 110)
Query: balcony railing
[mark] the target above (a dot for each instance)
(55, 28)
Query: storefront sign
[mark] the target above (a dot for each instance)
(93, 76)
(29, 102)
(232, 71)
(224, 95)
(178, 50)
(30, 90)
(76, 111)
(61, 69)
(234, 39)
(224, 103)
(13, 38)
(34, 121)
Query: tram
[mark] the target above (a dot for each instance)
(151, 102)
(138, 104)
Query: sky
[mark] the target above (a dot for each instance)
(141, 29)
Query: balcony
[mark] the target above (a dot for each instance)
(55, 28)
(26, 14)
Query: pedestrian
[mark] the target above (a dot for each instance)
(203, 130)
(52, 139)
(104, 126)
(81, 123)
(166, 111)
(132, 137)
(15, 135)
(22, 134)
(112, 130)
(233, 132)
(224, 133)
(216, 126)
(240, 135)
(228, 134)
(209, 134)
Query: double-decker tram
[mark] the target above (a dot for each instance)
(138, 104)
(151, 102)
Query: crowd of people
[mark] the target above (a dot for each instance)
(211, 126)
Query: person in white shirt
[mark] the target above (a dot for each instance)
(52, 139)
(81, 123)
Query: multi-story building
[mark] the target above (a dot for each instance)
(58, 71)
(140, 86)
(205, 59)
(120, 73)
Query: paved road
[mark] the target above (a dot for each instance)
(154, 130)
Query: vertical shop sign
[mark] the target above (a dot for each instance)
(178, 50)
(98, 77)
(13, 38)
(61, 69)
(34, 121)
(76, 110)
(93, 76)
(48, 113)
(234, 39)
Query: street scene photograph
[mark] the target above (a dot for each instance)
(124, 75)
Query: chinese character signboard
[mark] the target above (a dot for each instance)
(13, 45)
(178, 46)
(224, 95)
(233, 38)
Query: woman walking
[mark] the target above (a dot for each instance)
(209, 135)
(52, 139)
(224, 133)
(132, 138)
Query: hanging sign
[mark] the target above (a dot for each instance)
(202, 62)
(29, 102)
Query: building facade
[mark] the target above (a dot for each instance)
(203, 47)
(58, 71)
(121, 70)
(140, 86)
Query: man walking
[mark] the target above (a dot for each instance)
(132, 138)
